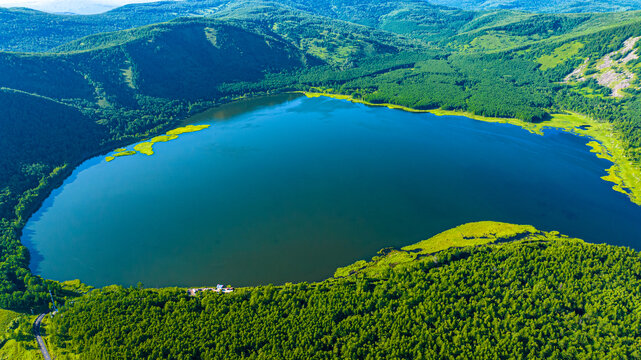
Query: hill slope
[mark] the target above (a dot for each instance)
(56, 133)
(186, 59)
(130, 84)
(556, 6)
(417, 18)
(47, 31)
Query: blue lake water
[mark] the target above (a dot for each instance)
(288, 189)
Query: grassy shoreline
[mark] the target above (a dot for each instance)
(146, 147)
(466, 235)
(624, 173)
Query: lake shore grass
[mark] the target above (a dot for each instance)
(624, 173)
(470, 234)
(119, 153)
(147, 147)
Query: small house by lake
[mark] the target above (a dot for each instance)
(219, 289)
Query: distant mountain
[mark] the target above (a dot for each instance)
(183, 58)
(83, 7)
(545, 6)
(190, 58)
(430, 21)
(47, 31)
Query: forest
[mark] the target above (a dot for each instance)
(567, 6)
(112, 89)
(76, 87)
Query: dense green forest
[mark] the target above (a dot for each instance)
(542, 296)
(114, 88)
(417, 18)
(558, 6)
(49, 30)
(72, 87)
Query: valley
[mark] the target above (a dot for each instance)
(281, 155)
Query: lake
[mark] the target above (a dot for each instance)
(287, 189)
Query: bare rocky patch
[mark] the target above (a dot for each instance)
(577, 74)
(612, 71)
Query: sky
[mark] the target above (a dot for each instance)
(71, 6)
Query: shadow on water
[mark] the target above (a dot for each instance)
(28, 234)
(226, 111)
(35, 256)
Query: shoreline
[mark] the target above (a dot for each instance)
(624, 173)
(146, 147)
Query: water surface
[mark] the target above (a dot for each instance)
(285, 190)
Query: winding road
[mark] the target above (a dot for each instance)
(41, 342)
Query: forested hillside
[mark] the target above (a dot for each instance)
(418, 18)
(30, 158)
(39, 135)
(48, 31)
(556, 6)
(132, 83)
(542, 296)
(114, 78)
